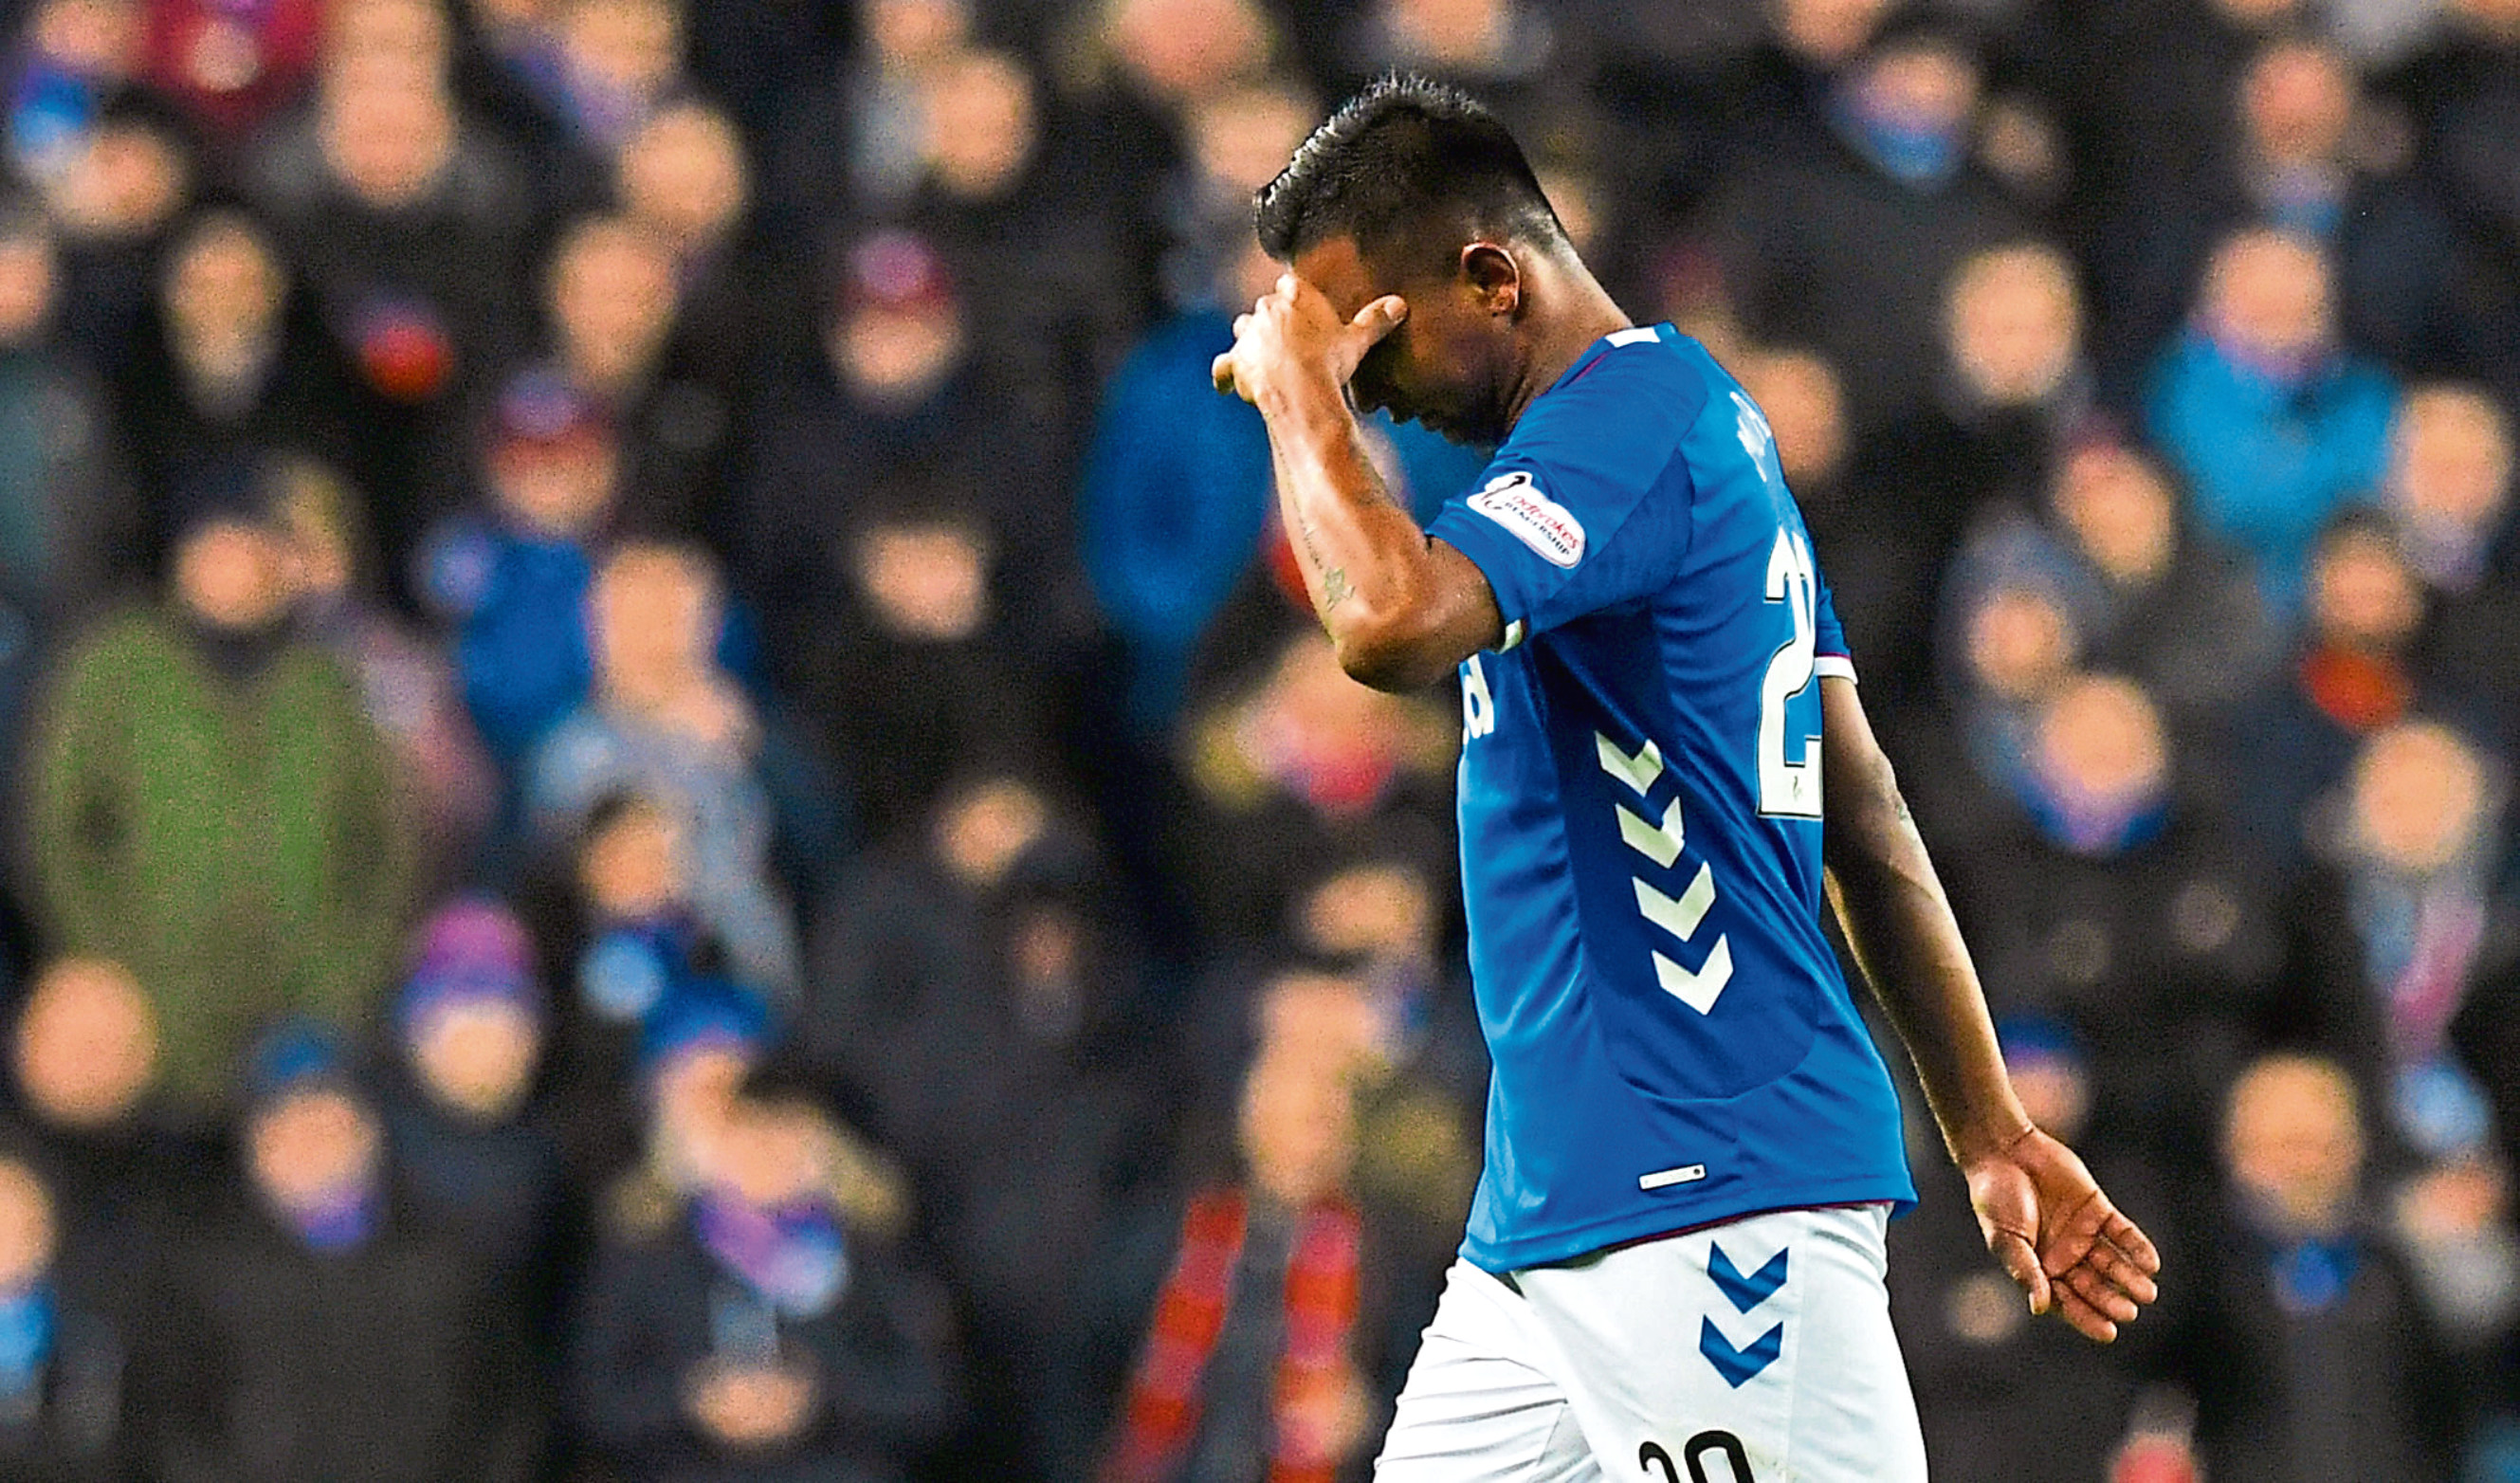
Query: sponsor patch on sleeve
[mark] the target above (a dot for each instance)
(1540, 523)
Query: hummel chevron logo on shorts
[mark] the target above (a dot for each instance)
(1739, 1365)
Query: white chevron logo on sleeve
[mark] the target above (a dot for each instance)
(1637, 772)
(1679, 917)
(1657, 843)
(1698, 990)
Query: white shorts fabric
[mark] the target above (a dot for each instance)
(1757, 1351)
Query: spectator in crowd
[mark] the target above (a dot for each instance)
(1380, 913)
(2009, 640)
(2139, 86)
(667, 721)
(857, 144)
(513, 578)
(2158, 601)
(63, 1415)
(614, 298)
(1845, 248)
(610, 296)
(753, 1331)
(232, 359)
(1302, 762)
(2427, 922)
(685, 178)
(644, 942)
(407, 218)
(445, 781)
(232, 66)
(695, 1050)
(2352, 675)
(1135, 66)
(2273, 424)
(127, 185)
(2449, 487)
(2454, 98)
(1238, 140)
(2449, 495)
(1049, 311)
(1681, 111)
(922, 648)
(605, 65)
(893, 375)
(978, 993)
(84, 1052)
(214, 812)
(310, 1331)
(70, 57)
(1417, 1119)
(2297, 163)
(70, 534)
(2308, 1350)
(2419, 852)
(913, 944)
(1251, 1360)
(2302, 166)
(2013, 391)
(471, 1160)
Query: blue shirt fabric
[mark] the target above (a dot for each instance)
(1673, 1040)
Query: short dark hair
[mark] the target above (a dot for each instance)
(1399, 157)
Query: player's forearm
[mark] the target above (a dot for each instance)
(1365, 561)
(1908, 945)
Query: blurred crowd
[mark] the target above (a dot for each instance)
(674, 817)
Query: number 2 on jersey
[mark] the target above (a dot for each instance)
(1790, 786)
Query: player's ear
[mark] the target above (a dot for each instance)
(1494, 277)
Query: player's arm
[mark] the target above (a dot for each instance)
(1402, 607)
(2043, 1215)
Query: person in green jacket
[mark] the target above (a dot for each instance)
(212, 809)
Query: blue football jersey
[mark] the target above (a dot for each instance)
(1673, 1042)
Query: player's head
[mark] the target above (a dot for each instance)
(1414, 189)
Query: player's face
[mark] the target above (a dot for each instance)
(1446, 365)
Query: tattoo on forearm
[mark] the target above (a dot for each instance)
(1335, 587)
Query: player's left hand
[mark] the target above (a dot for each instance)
(1294, 335)
(2046, 1220)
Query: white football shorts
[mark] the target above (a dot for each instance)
(1755, 1351)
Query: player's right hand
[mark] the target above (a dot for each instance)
(2046, 1220)
(1294, 334)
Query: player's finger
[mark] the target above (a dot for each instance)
(2085, 1320)
(1241, 323)
(2102, 1293)
(1221, 371)
(2126, 1237)
(1380, 317)
(2021, 1264)
(2072, 1238)
(2123, 1273)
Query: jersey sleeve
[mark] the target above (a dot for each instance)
(1831, 654)
(1587, 506)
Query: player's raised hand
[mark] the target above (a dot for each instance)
(1293, 335)
(2046, 1220)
